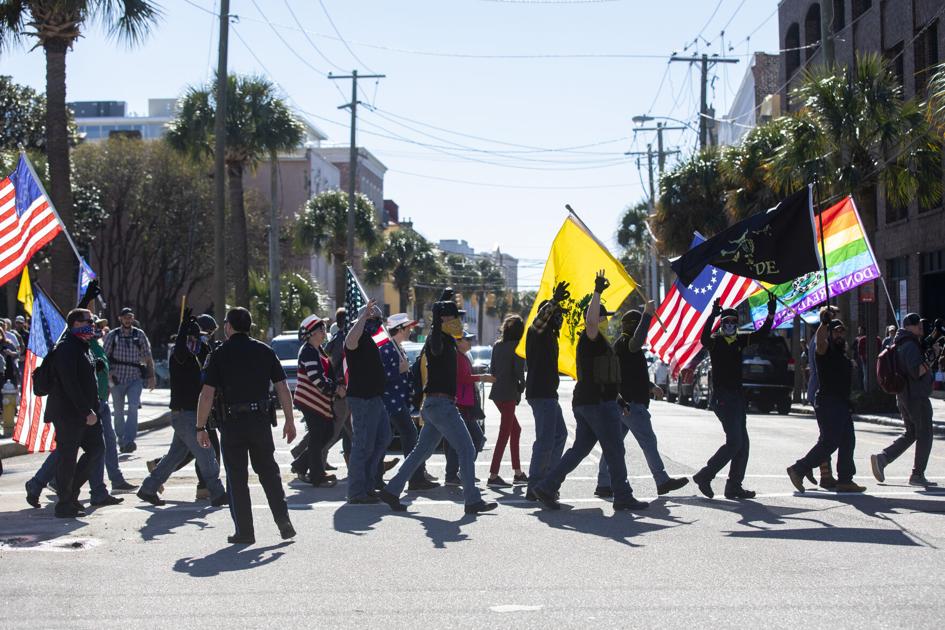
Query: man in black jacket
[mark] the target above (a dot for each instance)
(72, 408)
(728, 397)
(635, 390)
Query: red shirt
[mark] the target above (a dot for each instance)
(465, 394)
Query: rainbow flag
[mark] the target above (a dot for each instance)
(850, 262)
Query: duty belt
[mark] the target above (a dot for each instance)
(261, 406)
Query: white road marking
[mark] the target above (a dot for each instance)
(510, 608)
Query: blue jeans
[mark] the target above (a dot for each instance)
(370, 426)
(478, 440)
(551, 434)
(637, 421)
(110, 460)
(729, 407)
(183, 442)
(441, 419)
(408, 439)
(47, 473)
(595, 423)
(126, 427)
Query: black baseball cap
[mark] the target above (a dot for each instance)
(729, 312)
(126, 311)
(912, 319)
(835, 324)
(206, 323)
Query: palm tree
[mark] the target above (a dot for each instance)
(405, 258)
(692, 198)
(936, 102)
(744, 169)
(634, 238)
(258, 125)
(479, 276)
(56, 25)
(323, 228)
(855, 134)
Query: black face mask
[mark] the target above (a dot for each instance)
(629, 326)
(372, 324)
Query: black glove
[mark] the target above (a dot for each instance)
(448, 295)
(600, 283)
(91, 292)
(188, 325)
(716, 308)
(561, 293)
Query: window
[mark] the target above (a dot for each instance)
(860, 7)
(894, 56)
(839, 16)
(792, 45)
(897, 273)
(895, 213)
(926, 56)
(812, 30)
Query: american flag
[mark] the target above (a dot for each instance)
(27, 220)
(686, 309)
(47, 327)
(355, 299)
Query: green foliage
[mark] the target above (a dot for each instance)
(405, 258)
(323, 223)
(23, 123)
(300, 296)
(258, 122)
(745, 167)
(692, 199)
(62, 20)
(141, 210)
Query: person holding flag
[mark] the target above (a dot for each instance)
(728, 398)
(595, 410)
(834, 417)
(370, 423)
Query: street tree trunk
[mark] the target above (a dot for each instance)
(339, 258)
(239, 261)
(482, 313)
(404, 294)
(64, 265)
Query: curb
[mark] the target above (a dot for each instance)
(9, 448)
(938, 428)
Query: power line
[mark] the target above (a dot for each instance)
(510, 186)
(309, 39)
(338, 33)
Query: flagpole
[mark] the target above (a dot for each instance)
(383, 325)
(823, 246)
(642, 293)
(52, 207)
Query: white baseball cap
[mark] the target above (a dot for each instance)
(399, 319)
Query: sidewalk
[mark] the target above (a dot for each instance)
(889, 420)
(153, 414)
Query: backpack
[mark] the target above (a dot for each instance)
(888, 373)
(44, 376)
(416, 381)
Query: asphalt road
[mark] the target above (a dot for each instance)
(782, 560)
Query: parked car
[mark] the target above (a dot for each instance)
(680, 388)
(768, 375)
(286, 347)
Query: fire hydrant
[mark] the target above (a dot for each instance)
(9, 407)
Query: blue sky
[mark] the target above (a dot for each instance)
(494, 113)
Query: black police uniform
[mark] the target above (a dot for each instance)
(242, 369)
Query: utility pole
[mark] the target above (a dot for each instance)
(705, 62)
(219, 172)
(654, 258)
(353, 156)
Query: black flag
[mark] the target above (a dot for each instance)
(774, 246)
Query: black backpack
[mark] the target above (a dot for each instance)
(416, 382)
(44, 376)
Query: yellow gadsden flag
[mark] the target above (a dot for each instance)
(25, 294)
(576, 257)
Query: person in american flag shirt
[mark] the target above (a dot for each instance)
(398, 395)
(315, 392)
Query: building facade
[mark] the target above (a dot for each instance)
(757, 100)
(909, 242)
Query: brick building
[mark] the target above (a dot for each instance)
(909, 242)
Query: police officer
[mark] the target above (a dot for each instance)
(728, 398)
(242, 368)
(833, 408)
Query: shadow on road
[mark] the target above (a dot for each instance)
(30, 526)
(754, 514)
(868, 535)
(164, 520)
(232, 558)
(620, 527)
(360, 519)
